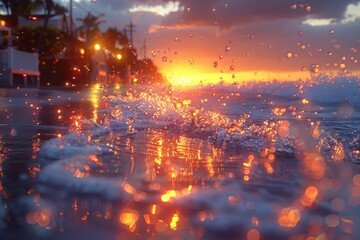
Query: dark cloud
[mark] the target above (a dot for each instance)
(116, 5)
(229, 13)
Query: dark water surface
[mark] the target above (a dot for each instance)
(259, 162)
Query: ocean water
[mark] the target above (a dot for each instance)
(255, 161)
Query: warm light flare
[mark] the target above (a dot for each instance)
(97, 46)
(315, 165)
(174, 222)
(129, 189)
(129, 217)
(41, 217)
(168, 196)
(309, 196)
(253, 234)
(184, 75)
(289, 217)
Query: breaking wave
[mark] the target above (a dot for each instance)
(167, 145)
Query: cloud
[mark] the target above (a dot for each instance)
(161, 10)
(352, 13)
(319, 21)
(123, 5)
(229, 13)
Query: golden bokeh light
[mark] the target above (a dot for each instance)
(97, 46)
(129, 217)
(289, 217)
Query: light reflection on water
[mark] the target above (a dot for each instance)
(155, 169)
(156, 183)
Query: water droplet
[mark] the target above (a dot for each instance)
(221, 57)
(289, 55)
(191, 61)
(153, 53)
(250, 36)
(215, 64)
(247, 54)
(337, 46)
(164, 59)
(232, 67)
(331, 32)
(293, 7)
(13, 132)
(227, 49)
(233, 75)
(314, 68)
(308, 8)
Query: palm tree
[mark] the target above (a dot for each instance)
(113, 37)
(20, 7)
(90, 26)
(6, 4)
(51, 10)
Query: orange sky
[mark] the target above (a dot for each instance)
(244, 40)
(194, 56)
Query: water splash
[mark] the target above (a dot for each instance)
(200, 158)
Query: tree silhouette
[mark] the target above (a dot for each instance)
(113, 38)
(90, 26)
(6, 4)
(51, 10)
(20, 7)
(52, 45)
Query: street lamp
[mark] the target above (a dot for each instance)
(101, 63)
(97, 47)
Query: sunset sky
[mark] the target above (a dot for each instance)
(237, 40)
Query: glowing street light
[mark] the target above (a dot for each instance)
(97, 47)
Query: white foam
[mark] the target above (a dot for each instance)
(60, 175)
(336, 91)
(138, 111)
(73, 144)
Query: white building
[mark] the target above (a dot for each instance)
(17, 68)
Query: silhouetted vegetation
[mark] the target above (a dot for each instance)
(64, 57)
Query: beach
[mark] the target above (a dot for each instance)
(261, 161)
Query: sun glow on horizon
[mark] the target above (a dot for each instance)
(190, 78)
